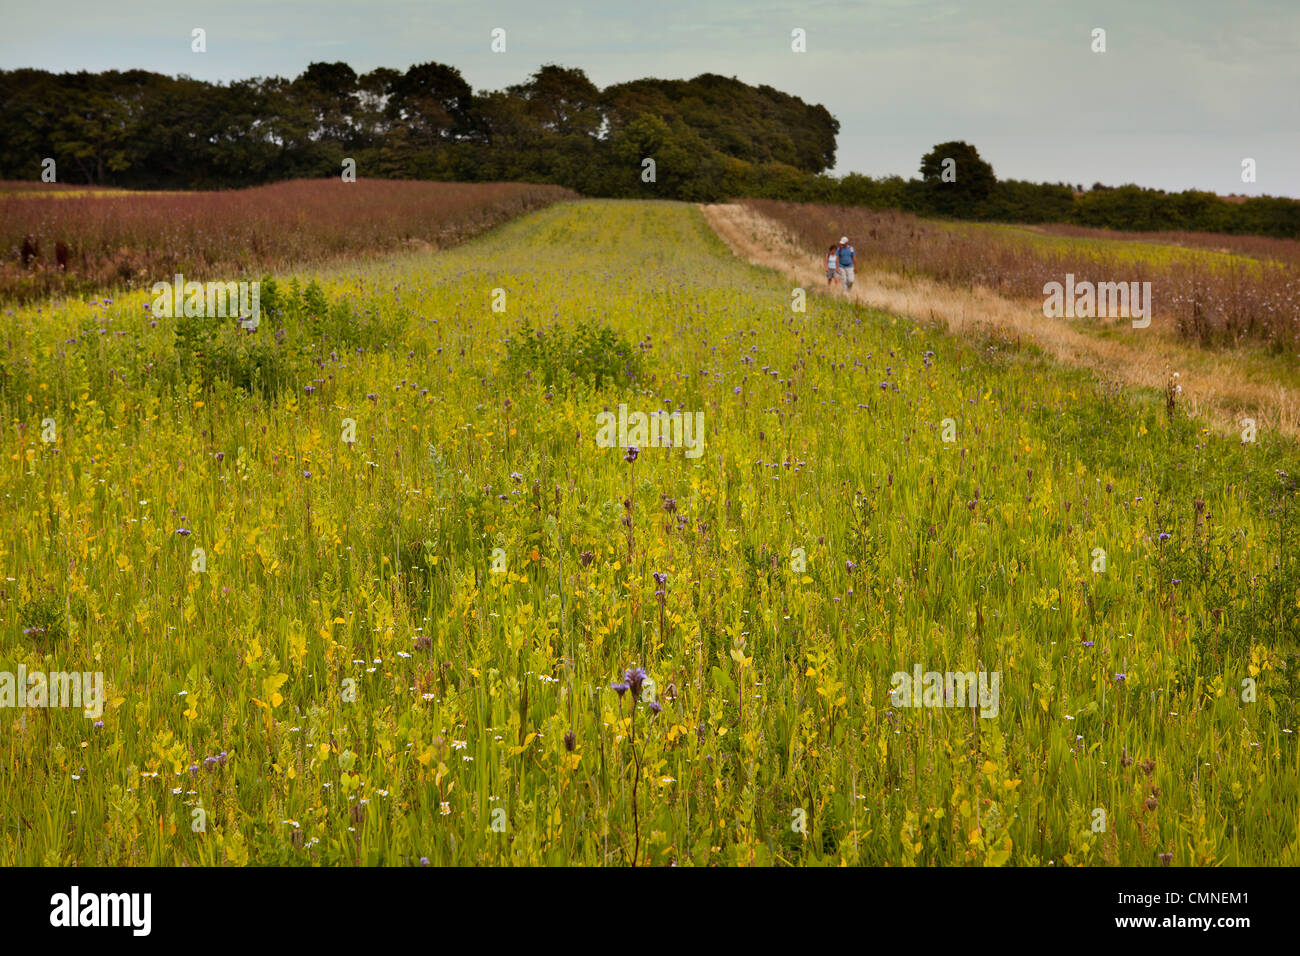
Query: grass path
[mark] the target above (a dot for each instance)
(1221, 386)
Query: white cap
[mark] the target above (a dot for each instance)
(844, 240)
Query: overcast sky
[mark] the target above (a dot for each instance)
(1184, 92)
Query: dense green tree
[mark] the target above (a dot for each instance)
(956, 179)
(561, 101)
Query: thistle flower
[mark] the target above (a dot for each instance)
(570, 741)
(632, 452)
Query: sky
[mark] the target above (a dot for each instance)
(1184, 92)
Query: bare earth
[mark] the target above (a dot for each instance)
(1216, 385)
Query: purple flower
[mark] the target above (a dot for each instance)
(1164, 536)
(655, 708)
(660, 578)
(1089, 643)
(586, 558)
(621, 688)
(634, 678)
(632, 452)
(424, 861)
(736, 390)
(98, 725)
(1120, 678)
(184, 532)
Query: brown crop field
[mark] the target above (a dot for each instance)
(1212, 293)
(65, 243)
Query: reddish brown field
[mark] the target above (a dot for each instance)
(1216, 290)
(136, 239)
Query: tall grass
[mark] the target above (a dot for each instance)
(1212, 296)
(128, 240)
(348, 681)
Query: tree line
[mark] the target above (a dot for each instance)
(710, 138)
(143, 129)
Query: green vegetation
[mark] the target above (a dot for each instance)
(347, 680)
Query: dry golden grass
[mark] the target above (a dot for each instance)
(1221, 386)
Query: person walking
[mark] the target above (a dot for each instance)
(832, 264)
(847, 258)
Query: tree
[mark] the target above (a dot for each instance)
(330, 91)
(562, 100)
(433, 101)
(956, 180)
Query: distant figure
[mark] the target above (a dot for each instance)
(61, 255)
(847, 260)
(832, 264)
(31, 249)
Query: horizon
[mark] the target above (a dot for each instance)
(1019, 80)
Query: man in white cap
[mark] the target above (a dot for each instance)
(847, 259)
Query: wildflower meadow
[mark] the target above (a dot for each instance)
(522, 553)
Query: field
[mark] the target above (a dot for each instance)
(120, 240)
(1243, 290)
(361, 584)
